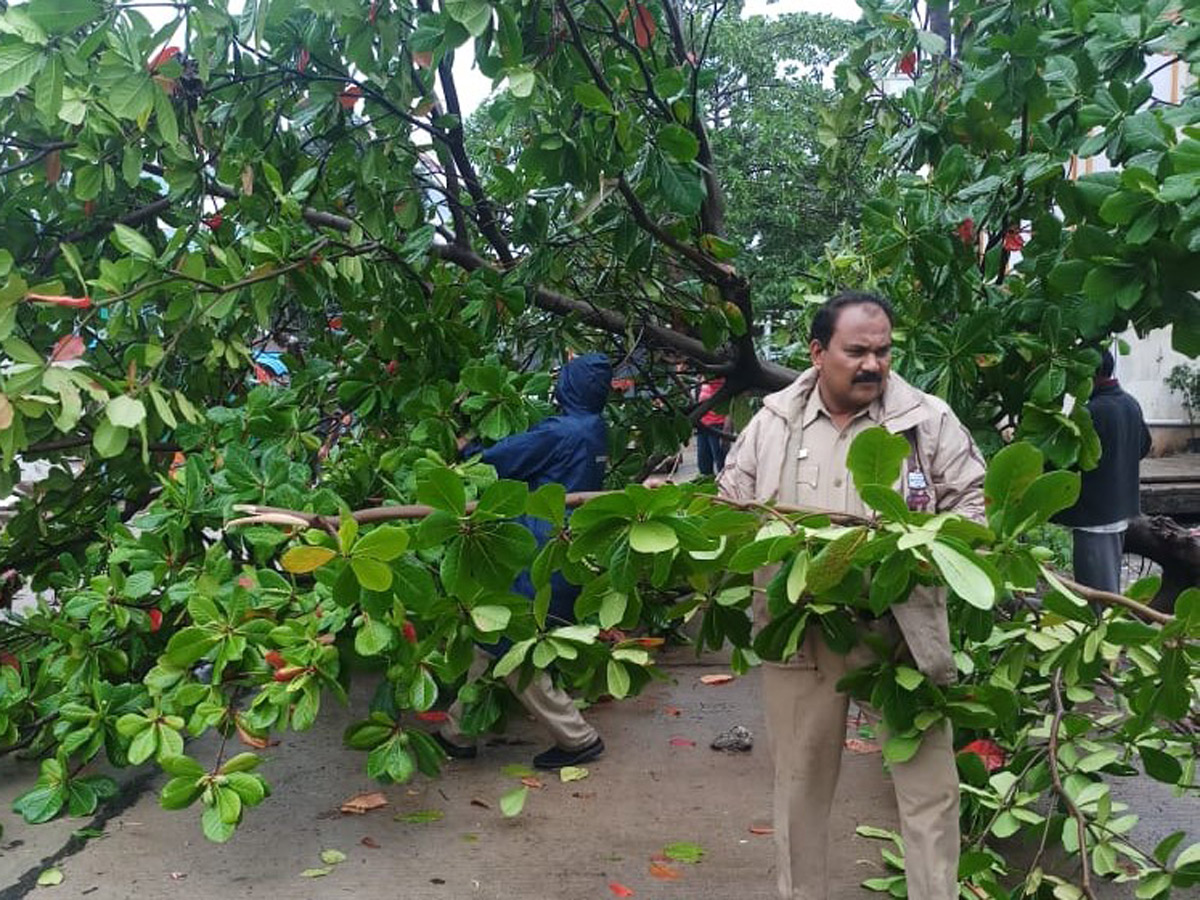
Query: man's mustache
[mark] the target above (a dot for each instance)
(867, 378)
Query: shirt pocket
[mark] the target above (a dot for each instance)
(808, 476)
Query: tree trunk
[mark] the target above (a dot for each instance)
(1173, 547)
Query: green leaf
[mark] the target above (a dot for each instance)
(303, 559)
(885, 500)
(373, 637)
(513, 802)
(133, 243)
(875, 457)
(474, 15)
(681, 188)
(384, 543)
(831, 564)
(1161, 766)
(423, 691)
(50, 877)
(652, 537)
(188, 645)
(443, 489)
(907, 678)
(901, 748)
(797, 576)
(504, 498)
(591, 97)
(1009, 476)
(490, 619)
(521, 81)
(964, 576)
(618, 679)
(372, 574)
(684, 852)
(316, 872)
(332, 857)
(514, 657)
(678, 143)
(125, 412)
(548, 502)
(19, 63)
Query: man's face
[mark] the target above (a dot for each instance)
(854, 367)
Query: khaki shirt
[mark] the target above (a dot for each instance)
(822, 479)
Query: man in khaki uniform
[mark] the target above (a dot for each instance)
(794, 452)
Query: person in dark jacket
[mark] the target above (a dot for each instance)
(1110, 494)
(570, 449)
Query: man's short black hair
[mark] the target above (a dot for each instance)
(825, 321)
(1107, 363)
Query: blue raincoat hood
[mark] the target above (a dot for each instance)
(584, 383)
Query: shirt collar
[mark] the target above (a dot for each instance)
(816, 407)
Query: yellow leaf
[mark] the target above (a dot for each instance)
(299, 560)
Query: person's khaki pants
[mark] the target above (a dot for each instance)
(551, 706)
(806, 730)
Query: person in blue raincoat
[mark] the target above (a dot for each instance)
(570, 449)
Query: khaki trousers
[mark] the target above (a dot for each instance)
(551, 706)
(806, 730)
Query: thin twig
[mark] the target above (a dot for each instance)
(1056, 778)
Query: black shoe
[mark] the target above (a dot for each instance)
(455, 751)
(558, 758)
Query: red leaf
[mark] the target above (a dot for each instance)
(213, 222)
(369, 841)
(761, 829)
(619, 889)
(423, 59)
(155, 619)
(246, 582)
(274, 659)
(250, 739)
(908, 65)
(716, 679)
(644, 27)
(302, 61)
(1013, 240)
(681, 742)
(165, 55)
(663, 871)
(650, 642)
(393, 367)
(349, 96)
(335, 323)
(410, 632)
(531, 782)
(261, 375)
(69, 346)
(966, 231)
(7, 659)
(989, 752)
(373, 12)
(53, 167)
(364, 803)
(60, 300)
(433, 715)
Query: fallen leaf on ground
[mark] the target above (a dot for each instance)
(584, 795)
(681, 742)
(363, 803)
(420, 817)
(369, 841)
(664, 872)
(858, 745)
(470, 838)
(572, 773)
(178, 876)
(50, 877)
(483, 804)
(761, 829)
(684, 851)
(530, 781)
(332, 857)
(433, 715)
(516, 770)
(722, 678)
(672, 711)
(619, 889)
(513, 802)
(316, 873)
